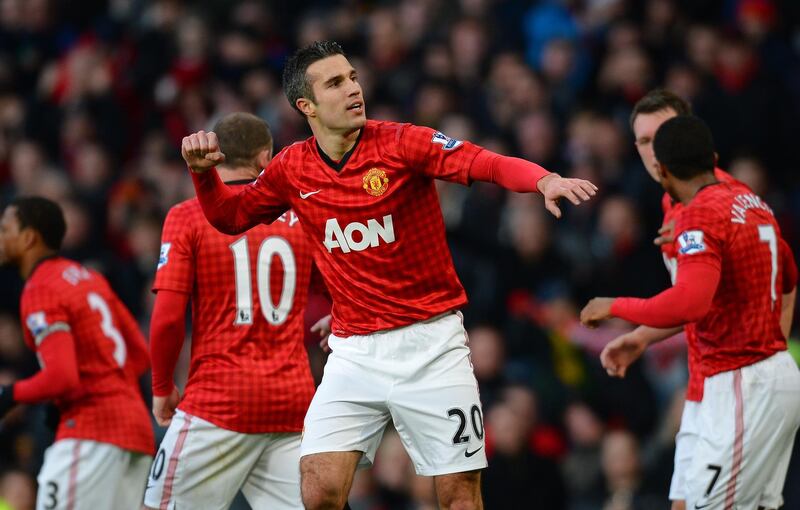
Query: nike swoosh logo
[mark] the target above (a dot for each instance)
(471, 453)
(698, 507)
(306, 195)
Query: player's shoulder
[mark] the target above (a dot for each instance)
(52, 279)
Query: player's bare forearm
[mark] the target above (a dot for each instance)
(787, 312)
(652, 336)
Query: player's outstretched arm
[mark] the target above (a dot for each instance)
(167, 330)
(58, 377)
(687, 301)
(522, 176)
(622, 351)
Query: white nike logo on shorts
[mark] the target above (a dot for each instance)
(306, 195)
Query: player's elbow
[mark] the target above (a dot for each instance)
(68, 381)
(694, 310)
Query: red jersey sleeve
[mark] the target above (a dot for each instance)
(233, 212)
(789, 267)
(435, 155)
(176, 270)
(59, 374)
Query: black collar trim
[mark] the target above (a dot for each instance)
(240, 181)
(333, 164)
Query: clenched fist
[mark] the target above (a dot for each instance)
(201, 151)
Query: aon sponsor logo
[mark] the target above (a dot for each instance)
(357, 236)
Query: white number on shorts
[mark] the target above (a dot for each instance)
(766, 233)
(274, 314)
(97, 303)
(477, 423)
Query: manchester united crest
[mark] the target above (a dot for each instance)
(375, 182)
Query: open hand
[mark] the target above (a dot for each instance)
(323, 327)
(620, 353)
(201, 151)
(554, 187)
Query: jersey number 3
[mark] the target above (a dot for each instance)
(274, 314)
(98, 304)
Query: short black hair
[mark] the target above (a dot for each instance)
(241, 137)
(43, 216)
(685, 146)
(295, 81)
(660, 99)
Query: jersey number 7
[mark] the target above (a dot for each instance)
(275, 245)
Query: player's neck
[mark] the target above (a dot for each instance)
(227, 174)
(31, 259)
(686, 190)
(335, 144)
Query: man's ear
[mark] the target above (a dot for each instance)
(264, 157)
(661, 170)
(28, 237)
(306, 107)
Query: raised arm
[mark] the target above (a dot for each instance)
(522, 176)
(228, 211)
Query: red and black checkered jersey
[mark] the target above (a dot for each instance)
(249, 371)
(672, 209)
(729, 227)
(62, 295)
(374, 220)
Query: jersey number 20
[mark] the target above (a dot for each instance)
(274, 314)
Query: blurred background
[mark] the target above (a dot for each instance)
(96, 95)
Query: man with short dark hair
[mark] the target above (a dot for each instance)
(91, 354)
(729, 283)
(364, 192)
(648, 115)
(250, 383)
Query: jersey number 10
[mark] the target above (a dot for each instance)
(271, 246)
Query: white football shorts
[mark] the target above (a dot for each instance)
(201, 465)
(419, 377)
(80, 474)
(685, 443)
(747, 420)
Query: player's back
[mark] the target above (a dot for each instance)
(728, 225)
(249, 371)
(107, 406)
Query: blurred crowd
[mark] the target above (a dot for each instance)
(94, 101)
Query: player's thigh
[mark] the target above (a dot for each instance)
(437, 411)
(77, 474)
(199, 465)
(685, 443)
(134, 480)
(348, 412)
(460, 490)
(749, 418)
(274, 481)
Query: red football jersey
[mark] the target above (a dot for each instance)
(671, 208)
(249, 371)
(62, 295)
(374, 220)
(729, 227)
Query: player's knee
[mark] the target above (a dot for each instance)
(322, 498)
(460, 491)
